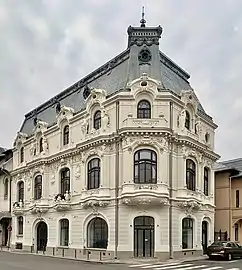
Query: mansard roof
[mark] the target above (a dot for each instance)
(234, 166)
(114, 76)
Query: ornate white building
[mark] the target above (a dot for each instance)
(120, 162)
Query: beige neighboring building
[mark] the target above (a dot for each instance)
(118, 165)
(228, 200)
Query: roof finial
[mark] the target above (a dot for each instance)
(143, 21)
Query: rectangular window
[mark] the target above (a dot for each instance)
(20, 225)
(187, 233)
(236, 232)
(237, 199)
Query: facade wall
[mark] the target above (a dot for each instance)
(115, 144)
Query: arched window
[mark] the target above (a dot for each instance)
(20, 225)
(187, 233)
(206, 180)
(93, 178)
(64, 232)
(41, 145)
(38, 187)
(144, 109)
(21, 191)
(145, 166)
(187, 121)
(191, 174)
(97, 120)
(97, 233)
(66, 135)
(65, 180)
(21, 155)
(6, 188)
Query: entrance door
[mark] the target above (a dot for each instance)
(204, 235)
(42, 236)
(144, 236)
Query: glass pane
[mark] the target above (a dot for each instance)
(145, 154)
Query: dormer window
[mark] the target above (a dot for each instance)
(144, 109)
(188, 121)
(97, 120)
(21, 155)
(66, 135)
(41, 145)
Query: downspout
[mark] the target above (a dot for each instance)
(116, 182)
(230, 209)
(170, 183)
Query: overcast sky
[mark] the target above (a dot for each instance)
(46, 45)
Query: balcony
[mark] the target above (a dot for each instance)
(145, 123)
(62, 202)
(149, 194)
(18, 208)
(39, 206)
(95, 197)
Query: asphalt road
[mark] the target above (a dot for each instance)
(13, 261)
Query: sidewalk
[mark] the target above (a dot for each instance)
(113, 261)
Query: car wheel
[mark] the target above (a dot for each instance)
(229, 257)
(210, 257)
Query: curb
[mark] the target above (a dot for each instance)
(109, 261)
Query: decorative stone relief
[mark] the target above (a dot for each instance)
(20, 138)
(78, 172)
(33, 149)
(189, 206)
(188, 97)
(96, 96)
(85, 125)
(40, 127)
(95, 203)
(66, 113)
(45, 146)
(105, 120)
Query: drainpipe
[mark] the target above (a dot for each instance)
(230, 209)
(116, 182)
(170, 183)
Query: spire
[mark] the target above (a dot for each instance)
(143, 21)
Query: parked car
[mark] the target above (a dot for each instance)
(225, 249)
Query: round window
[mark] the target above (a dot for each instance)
(144, 55)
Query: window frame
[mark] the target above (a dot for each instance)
(237, 204)
(206, 181)
(20, 187)
(97, 231)
(150, 164)
(20, 225)
(66, 135)
(64, 232)
(65, 180)
(41, 148)
(187, 120)
(93, 174)
(191, 175)
(97, 120)
(189, 228)
(38, 186)
(144, 109)
(22, 154)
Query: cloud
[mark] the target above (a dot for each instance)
(45, 46)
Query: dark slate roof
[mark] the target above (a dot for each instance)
(230, 165)
(114, 75)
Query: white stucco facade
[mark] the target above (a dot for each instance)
(119, 198)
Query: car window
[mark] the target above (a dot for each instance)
(229, 245)
(220, 244)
